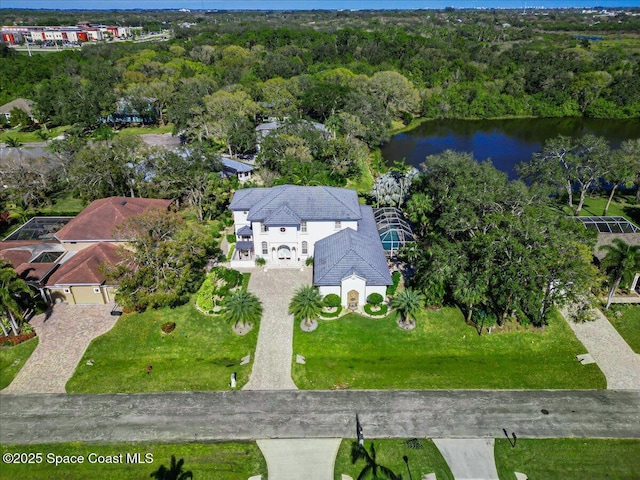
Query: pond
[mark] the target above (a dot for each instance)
(505, 142)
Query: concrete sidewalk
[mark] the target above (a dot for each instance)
(469, 458)
(274, 351)
(294, 459)
(620, 365)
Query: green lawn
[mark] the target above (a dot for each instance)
(27, 137)
(66, 204)
(144, 130)
(442, 352)
(626, 319)
(389, 453)
(214, 461)
(200, 354)
(621, 206)
(569, 459)
(13, 358)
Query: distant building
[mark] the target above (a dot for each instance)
(23, 104)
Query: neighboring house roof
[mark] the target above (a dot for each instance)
(307, 203)
(21, 103)
(265, 128)
(32, 261)
(85, 267)
(349, 252)
(98, 221)
(235, 166)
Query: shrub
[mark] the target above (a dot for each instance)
(260, 262)
(375, 299)
(332, 300)
(168, 327)
(231, 238)
(391, 289)
(334, 314)
(368, 308)
(309, 261)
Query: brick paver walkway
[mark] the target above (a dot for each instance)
(274, 352)
(620, 365)
(63, 339)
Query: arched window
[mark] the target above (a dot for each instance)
(305, 248)
(265, 250)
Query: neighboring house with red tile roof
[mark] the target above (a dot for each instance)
(80, 278)
(67, 266)
(98, 222)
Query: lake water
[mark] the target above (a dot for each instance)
(505, 142)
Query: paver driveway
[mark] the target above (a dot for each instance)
(619, 363)
(274, 352)
(63, 339)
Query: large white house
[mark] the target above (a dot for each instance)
(285, 225)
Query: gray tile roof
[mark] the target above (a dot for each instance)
(348, 252)
(283, 216)
(307, 203)
(245, 231)
(235, 166)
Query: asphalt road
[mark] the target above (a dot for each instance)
(206, 416)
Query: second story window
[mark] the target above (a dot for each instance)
(338, 225)
(303, 226)
(263, 228)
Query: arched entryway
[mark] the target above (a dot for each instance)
(352, 299)
(284, 252)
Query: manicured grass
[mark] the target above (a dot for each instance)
(568, 459)
(200, 354)
(626, 320)
(442, 352)
(28, 137)
(64, 204)
(389, 453)
(621, 206)
(18, 355)
(215, 461)
(144, 130)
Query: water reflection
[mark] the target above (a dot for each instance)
(505, 142)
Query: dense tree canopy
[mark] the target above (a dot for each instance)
(494, 246)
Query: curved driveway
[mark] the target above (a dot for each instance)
(207, 416)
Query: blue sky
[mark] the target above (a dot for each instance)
(305, 4)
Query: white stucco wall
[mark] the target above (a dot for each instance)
(324, 291)
(382, 290)
(353, 282)
(292, 236)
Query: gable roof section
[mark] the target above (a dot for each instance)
(307, 203)
(84, 268)
(21, 255)
(283, 216)
(98, 221)
(349, 252)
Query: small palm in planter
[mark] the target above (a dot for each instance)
(242, 309)
(306, 304)
(408, 302)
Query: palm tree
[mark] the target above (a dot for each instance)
(408, 302)
(622, 261)
(242, 308)
(11, 288)
(470, 290)
(13, 142)
(174, 472)
(306, 304)
(372, 469)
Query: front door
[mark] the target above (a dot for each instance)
(284, 252)
(352, 299)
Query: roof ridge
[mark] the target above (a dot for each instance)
(330, 192)
(340, 258)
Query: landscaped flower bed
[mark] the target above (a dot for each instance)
(168, 327)
(218, 284)
(16, 339)
(375, 310)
